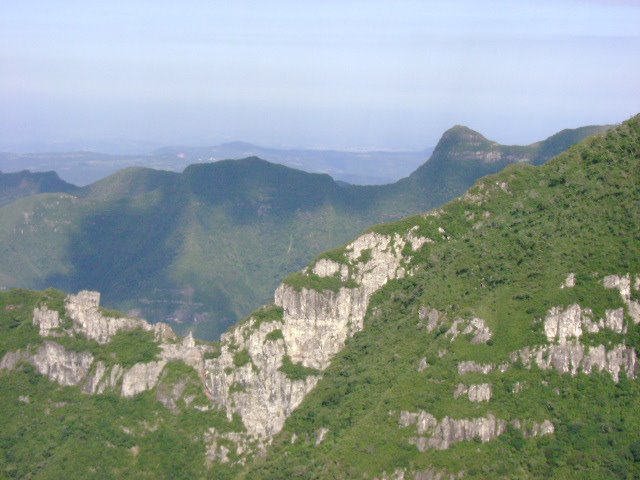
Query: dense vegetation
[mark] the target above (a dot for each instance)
(51, 432)
(203, 248)
(512, 241)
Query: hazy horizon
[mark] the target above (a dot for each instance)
(337, 75)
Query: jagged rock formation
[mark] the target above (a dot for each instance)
(476, 327)
(562, 324)
(315, 325)
(431, 315)
(476, 393)
(574, 358)
(68, 367)
(83, 309)
(623, 285)
(54, 361)
(440, 435)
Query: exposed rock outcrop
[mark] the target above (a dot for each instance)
(329, 268)
(570, 281)
(473, 367)
(47, 321)
(314, 327)
(83, 309)
(78, 368)
(623, 284)
(440, 435)
(53, 361)
(432, 316)
(476, 393)
(476, 327)
(563, 324)
(574, 357)
(141, 377)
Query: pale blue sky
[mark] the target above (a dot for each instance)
(341, 74)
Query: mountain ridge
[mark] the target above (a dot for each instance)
(202, 248)
(25, 183)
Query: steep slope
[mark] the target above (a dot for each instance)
(23, 184)
(495, 337)
(511, 349)
(203, 248)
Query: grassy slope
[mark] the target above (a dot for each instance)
(211, 244)
(579, 213)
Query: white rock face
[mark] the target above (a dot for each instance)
(473, 367)
(476, 393)
(440, 435)
(432, 316)
(87, 319)
(46, 320)
(416, 241)
(422, 365)
(141, 377)
(623, 285)
(329, 268)
(574, 357)
(476, 327)
(570, 281)
(317, 323)
(53, 361)
(258, 391)
(314, 327)
(560, 324)
(320, 434)
(73, 368)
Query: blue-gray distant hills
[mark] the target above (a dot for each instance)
(202, 248)
(24, 183)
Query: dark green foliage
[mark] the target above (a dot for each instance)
(509, 251)
(63, 433)
(125, 348)
(108, 312)
(296, 371)
(241, 357)
(365, 256)
(267, 314)
(274, 335)
(16, 313)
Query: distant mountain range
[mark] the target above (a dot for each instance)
(202, 248)
(357, 167)
(25, 183)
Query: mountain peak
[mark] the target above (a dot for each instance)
(461, 133)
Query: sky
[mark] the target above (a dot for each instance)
(331, 74)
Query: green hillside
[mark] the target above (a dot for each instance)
(517, 246)
(203, 248)
(511, 242)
